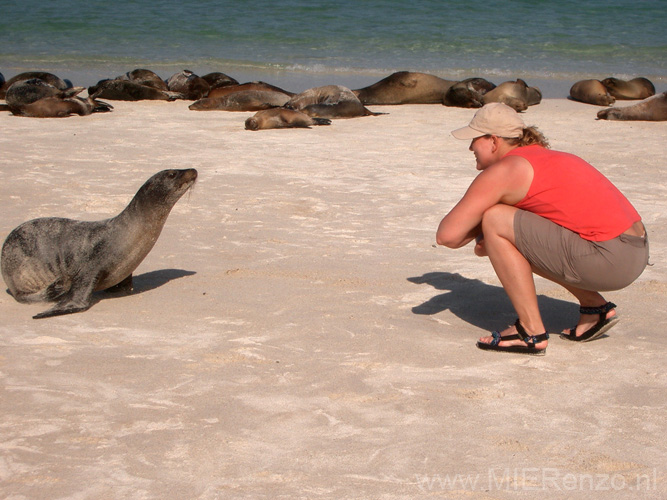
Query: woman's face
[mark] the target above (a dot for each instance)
(484, 149)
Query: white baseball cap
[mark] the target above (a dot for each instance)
(495, 118)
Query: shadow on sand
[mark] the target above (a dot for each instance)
(147, 282)
(487, 306)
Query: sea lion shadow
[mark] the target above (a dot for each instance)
(486, 306)
(149, 281)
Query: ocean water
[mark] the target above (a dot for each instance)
(300, 44)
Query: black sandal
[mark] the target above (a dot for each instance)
(530, 341)
(598, 328)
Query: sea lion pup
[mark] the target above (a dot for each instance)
(467, 93)
(652, 108)
(513, 93)
(228, 89)
(65, 261)
(144, 77)
(329, 101)
(245, 100)
(126, 90)
(405, 87)
(217, 79)
(591, 92)
(637, 88)
(282, 118)
(192, 86)
(49, 78)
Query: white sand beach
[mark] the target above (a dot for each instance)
(295, 333)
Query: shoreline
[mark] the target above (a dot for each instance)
(299, 80)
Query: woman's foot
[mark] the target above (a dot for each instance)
(515, 339)
(593, 322)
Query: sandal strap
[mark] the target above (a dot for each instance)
(497, 338)
(598, 310)
(529, 339)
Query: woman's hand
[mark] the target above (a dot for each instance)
(480, 249)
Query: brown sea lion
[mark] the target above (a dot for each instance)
(24, 92)
(49, 78)
(652, 108)
(144, 77)
(228, 89)
(38, 99)
(468, 93)
(191, 86)
(405, 87)
(244, 100)
(65, 261)
(217, 79)
(513, 93)
(59, 107)
(282, 118)
(329, 101)
(591, 92)
(637, 88)
(126, 90)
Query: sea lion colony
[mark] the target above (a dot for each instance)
(42, 94)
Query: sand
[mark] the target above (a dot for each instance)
(297, 334)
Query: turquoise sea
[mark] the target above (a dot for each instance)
(300, 44)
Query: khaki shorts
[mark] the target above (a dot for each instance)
(563, 255)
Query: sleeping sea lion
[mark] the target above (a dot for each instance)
(191, 86)
(652, 108)
(329, 101)
(405, 87)
(228, 89)
(247, 100)
(637, 88)
(591, 92)
(468, 93)
(282, 118)
(513, 93)
(127, 90)
(49, 78)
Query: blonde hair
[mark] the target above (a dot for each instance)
(531, 135)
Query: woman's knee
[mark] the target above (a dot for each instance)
(499, 219)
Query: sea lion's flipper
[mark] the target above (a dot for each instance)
(321, 121)
(78, 299)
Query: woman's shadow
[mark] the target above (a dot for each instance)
(487, 306)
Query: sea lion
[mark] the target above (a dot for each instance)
(329, 101)
(144, 77)
(637, 88)
(591, 92)
(405, 87)
(192, 86)
(468, 93)
(126, 90)
(23, 92)
(36, 98)
(49, 78)
(282, 118)
(228, 89)
(247, 100)
(217, 79)
(513, 93)
(652, 108)
(60, 107)
(65, 261)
